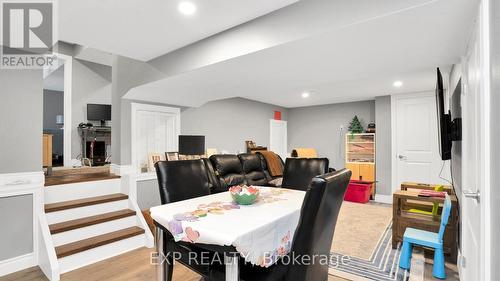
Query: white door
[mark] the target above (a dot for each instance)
(278, 137)
(417, 150)
(472, 265)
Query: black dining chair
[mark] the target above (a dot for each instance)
(313, 236)
(299, 172)
(182, 180)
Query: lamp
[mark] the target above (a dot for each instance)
(191, 145)
(59, 119)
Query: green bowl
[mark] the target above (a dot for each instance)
(245, 199)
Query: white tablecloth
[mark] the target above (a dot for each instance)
(260, 232)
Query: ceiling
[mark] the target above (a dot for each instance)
(355, 62)
(144, 30)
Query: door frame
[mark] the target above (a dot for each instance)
(394, 145)
(67, 107)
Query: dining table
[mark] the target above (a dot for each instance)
(260, 233)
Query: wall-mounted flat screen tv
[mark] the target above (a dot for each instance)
(444, 120)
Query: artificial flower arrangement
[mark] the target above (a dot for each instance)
(243, 194)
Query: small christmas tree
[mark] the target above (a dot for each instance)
(355, 126)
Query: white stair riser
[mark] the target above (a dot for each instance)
(100, 253)
(73, 191)
(93, 230)
(87, 211)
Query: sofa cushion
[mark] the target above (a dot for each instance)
(252, 169)
(228, 170)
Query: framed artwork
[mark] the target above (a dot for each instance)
(172, 156)
(153, 158)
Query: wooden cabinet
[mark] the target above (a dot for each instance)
(360, 157)
(47, 150)
(366, 172)
(354, 167)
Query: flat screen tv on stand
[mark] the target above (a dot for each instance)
(99, 112)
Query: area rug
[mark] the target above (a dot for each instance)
(360, 227)
(357, 252)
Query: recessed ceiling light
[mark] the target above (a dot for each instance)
(187, 8)
(305, 95)
(397, 84)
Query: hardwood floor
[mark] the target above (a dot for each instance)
(74, 175)
(131, 266)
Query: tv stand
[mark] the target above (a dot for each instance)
(95, 144)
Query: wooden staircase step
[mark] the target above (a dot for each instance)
(88, 221)
(97, 241)
(77, 178)
(59, 206)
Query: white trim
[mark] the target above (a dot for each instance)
(486, 241)
(129, 187)
(121, 170)
(28, 183)
(17, 263)
(149, 243)
(146, 176)
(386, 199)
(47, 258)
(135, 107)
(394, 163)
(68, 85)
(21, 181)
(394, 144)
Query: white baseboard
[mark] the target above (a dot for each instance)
(17, 263)
(386, 199)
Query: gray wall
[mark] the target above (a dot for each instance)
(21, 121)
(319, 127)
(148, 194)
(91, 83)
(16, 218)
(53, 105)
(227, 123)
(495, 136)
(383, 145)
(126, 74)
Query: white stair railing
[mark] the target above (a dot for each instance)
(47, 258)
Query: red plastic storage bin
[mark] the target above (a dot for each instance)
(358, 191)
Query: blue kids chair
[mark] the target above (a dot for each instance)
(428, 239)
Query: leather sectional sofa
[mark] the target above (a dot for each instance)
(226, 170)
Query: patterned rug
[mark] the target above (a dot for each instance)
(382, 265)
